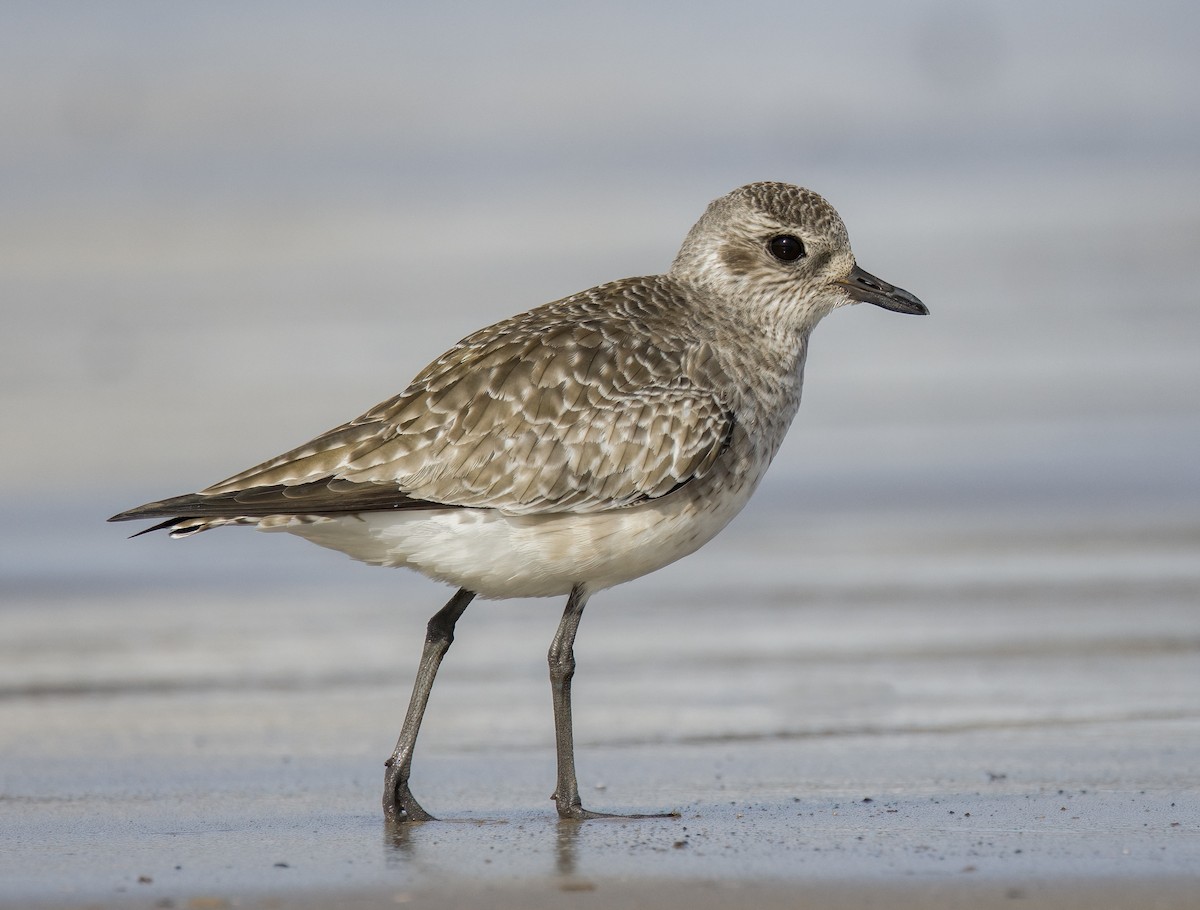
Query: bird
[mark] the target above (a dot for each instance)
(573, 447)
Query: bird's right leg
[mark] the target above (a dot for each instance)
(398, 802)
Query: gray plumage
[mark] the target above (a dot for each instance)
(575, 446)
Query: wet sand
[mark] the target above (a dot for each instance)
(1004, 728)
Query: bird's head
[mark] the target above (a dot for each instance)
(784, 249)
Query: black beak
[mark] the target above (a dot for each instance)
(866, 288)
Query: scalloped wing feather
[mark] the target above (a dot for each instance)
(594, 402)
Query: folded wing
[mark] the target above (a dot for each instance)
(577, 406)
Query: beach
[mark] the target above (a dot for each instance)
(949, 653)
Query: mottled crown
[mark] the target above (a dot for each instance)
(786, 204)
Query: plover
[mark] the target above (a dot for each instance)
(572, 447)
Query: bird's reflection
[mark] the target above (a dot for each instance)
(417, 848)
(566, 848)
(399, 848)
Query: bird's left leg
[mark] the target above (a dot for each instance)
(562, 669)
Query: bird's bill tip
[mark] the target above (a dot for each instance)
(864, 287)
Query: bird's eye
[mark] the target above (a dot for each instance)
(786, 248)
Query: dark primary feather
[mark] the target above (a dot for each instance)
(328, 496)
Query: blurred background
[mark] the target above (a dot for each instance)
(227, 227)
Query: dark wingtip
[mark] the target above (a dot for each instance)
(161, 526)
(160, 508)
(150, 510)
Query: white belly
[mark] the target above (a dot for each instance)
(498, 555)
